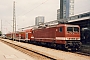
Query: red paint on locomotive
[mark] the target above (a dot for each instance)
(62, 34)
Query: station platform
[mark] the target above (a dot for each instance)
(9, 53)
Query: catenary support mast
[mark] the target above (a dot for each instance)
(14, 21)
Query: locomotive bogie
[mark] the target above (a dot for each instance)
(73, 45)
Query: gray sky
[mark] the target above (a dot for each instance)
(27, 10)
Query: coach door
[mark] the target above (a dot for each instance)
(26, 35)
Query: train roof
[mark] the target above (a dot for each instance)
(58, 25)
(68, 25)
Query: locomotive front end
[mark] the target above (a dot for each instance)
(72, 37)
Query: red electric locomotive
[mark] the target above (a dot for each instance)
(61, 36)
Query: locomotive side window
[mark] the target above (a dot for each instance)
(60, 29)
(70, 29)
(32, 32)
(76, 29)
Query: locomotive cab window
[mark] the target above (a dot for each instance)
(60, 29)
(70, 29)
(76, 29)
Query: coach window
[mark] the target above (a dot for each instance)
(60, 29)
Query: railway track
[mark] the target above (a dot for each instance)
(82, 53)
(32, 53)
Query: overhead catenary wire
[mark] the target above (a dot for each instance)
(34, 8)
(26, 9)
(5, 26)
